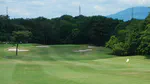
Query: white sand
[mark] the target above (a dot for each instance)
(86, 50)
(91, 47)
(42, 46)
(19, 50)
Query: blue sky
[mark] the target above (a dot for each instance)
(56, 8)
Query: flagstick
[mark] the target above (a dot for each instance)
(127, 61)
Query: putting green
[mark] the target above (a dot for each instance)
(58, 64)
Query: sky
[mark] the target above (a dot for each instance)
(57, 8)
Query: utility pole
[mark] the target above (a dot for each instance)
(79, 10)
(149, 10)
(132, 13)
(7, 11)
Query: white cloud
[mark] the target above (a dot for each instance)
(106, 10)
(9, 1)
(101, 1)
(51, 8)
(53, 1)
(99, 8)
(19, 12)
(37, 3)
(135, 2)
(113, 6)
(75, 3)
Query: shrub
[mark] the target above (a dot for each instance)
(113, 40)
(121, 49)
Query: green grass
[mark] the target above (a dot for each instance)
(58, 64)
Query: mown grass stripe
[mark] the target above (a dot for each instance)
(7, 67)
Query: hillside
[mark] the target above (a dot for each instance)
(139, 13)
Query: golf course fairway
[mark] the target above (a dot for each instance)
(59, 64)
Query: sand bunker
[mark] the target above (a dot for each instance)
(86, 50)
(42, 46)
(91, 46)
(19, 50)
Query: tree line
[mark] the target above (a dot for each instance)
(66, 29)
(124, 38)
(131, 38)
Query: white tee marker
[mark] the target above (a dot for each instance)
(127, 60)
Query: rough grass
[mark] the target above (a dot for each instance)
(58, 64)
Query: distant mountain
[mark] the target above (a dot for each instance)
(138, 13)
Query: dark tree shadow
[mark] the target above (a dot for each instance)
(27, 58)
(12, 57)
(147, 56)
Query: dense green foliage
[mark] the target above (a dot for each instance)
(21, 36)
(63, 30)
(131, 38)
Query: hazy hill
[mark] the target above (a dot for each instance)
(139, 13)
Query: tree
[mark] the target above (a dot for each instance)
(5, 28)
(20, 36)
(144, 47)
(133, 38)
(121, 49)
(101, 29)
(113, 40)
